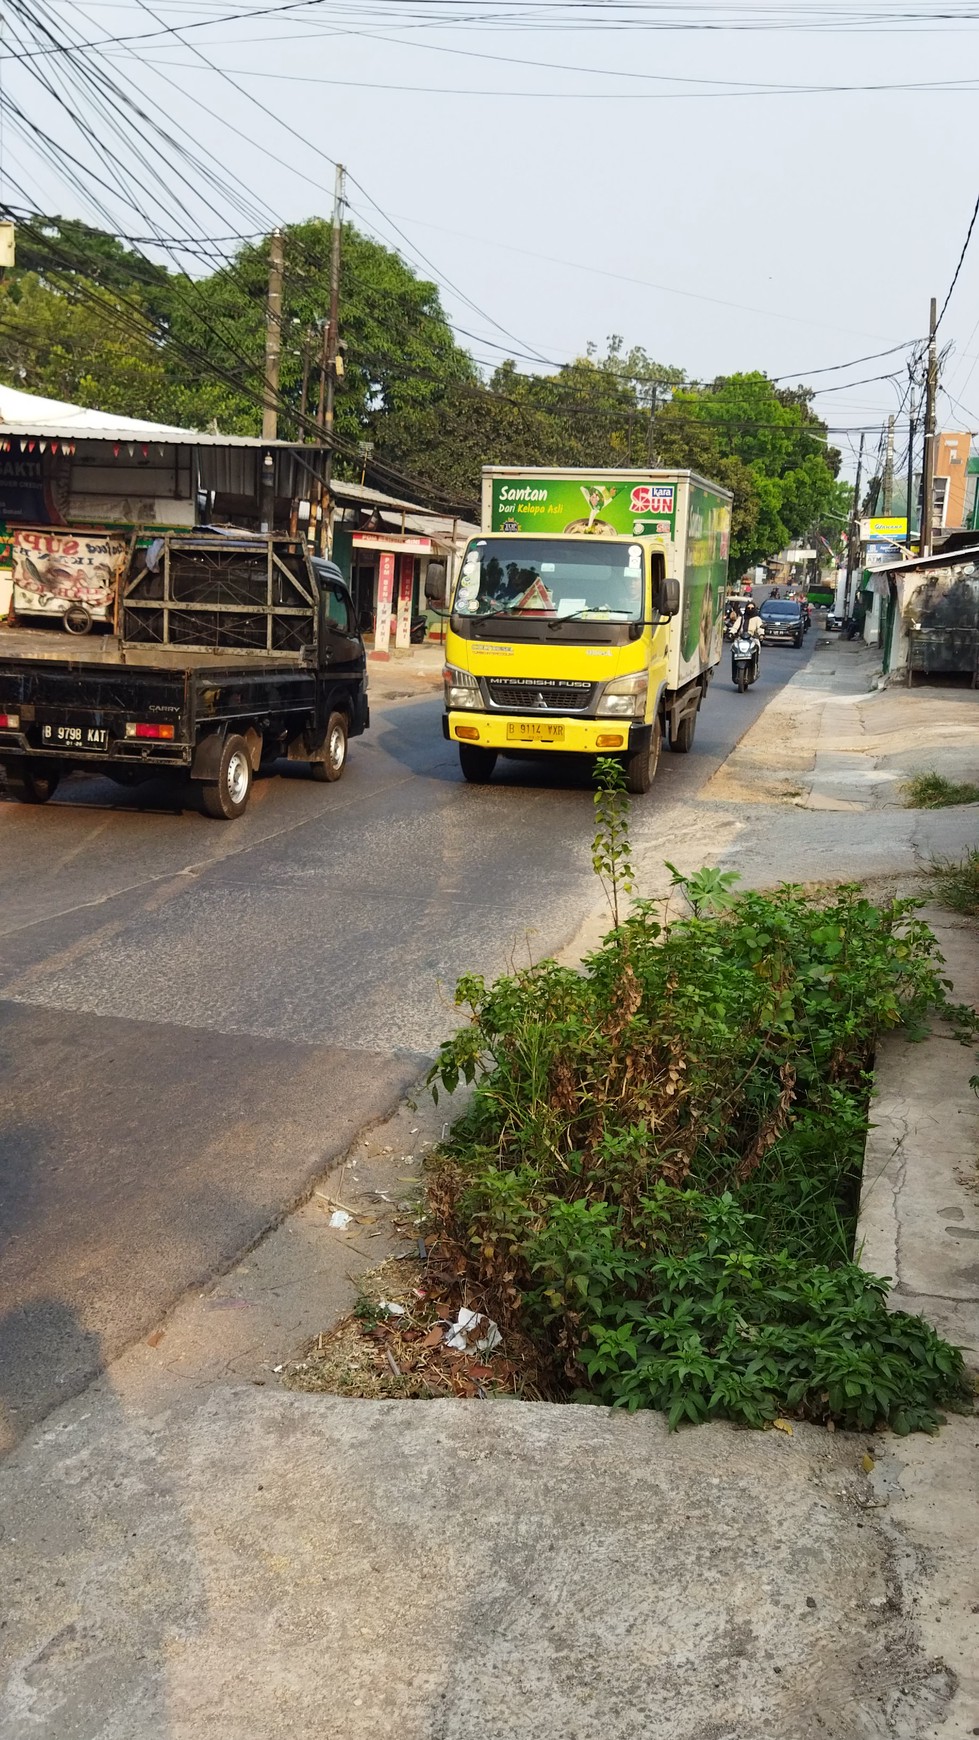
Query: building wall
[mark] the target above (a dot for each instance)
(951, 462)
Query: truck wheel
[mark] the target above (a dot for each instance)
(640, 767)
(477, 764)
(225, 798)
(681, 739)
(336, 750)
(30, 785)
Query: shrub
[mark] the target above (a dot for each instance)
(658, 1174)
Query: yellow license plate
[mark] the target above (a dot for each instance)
(535, 731)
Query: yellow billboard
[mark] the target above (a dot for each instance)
(886, 526)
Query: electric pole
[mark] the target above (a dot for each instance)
(273, 338)
(888, 491)
(853, 541)
(650, 439)
(333, 346)
(928, 459)
(912, 432)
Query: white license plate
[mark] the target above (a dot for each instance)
(75, 736)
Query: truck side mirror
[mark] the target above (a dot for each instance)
(669, 597)
(435, 583)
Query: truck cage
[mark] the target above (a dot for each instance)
(214, 593)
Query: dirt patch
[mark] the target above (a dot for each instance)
(401, 1341)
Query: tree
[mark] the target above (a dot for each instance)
(763, 442)
(88, 317)
(99, 351)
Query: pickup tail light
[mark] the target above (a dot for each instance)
(10, 721)
(164, 731)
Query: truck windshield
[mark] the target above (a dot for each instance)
(534, 578)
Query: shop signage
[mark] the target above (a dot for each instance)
(391, 541)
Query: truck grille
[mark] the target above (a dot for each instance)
(540, 695)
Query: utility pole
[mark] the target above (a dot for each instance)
(853, 541)
(928, 459)
(650, 443)
(304, 395)
(888, 501)
(273, 338)
(333, 366)
(912, 432)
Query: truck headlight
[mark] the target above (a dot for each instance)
(461, 689)
(625, 698)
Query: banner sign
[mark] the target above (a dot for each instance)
(605, 508)
(385, 596)
(53, 570)
(886, 526)
(406, 590)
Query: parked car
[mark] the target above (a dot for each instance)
(783, 619)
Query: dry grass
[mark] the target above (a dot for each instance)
(383, 1356)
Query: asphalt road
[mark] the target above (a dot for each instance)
(196, 1017)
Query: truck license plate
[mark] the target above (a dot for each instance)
(535, 731)
(75, 736)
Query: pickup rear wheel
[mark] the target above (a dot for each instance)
(225, 798)
(33, 785)
(336, 750)
(640, 766)
(477, 764)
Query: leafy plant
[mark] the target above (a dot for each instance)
(611, 856)
(932, 791)
(658, 1175)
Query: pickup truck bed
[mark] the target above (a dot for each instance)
(135, 710)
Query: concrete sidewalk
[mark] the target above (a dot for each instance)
(829, 741)
(408, 673)
(919, 1224)
(184, 1554)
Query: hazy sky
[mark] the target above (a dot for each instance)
(721, 229)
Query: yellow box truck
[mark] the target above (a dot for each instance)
(587, 616)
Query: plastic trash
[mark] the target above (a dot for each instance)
(473, 1329)
(340, 1218)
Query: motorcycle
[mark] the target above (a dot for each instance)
(745, 652)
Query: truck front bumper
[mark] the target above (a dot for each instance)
(543, 732)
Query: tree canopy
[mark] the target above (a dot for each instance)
(86, 316)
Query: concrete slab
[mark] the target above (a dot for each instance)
(919, 1223)
(829, 741)
(250, 1563)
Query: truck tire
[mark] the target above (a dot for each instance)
(681, 739)
(336, 750)
(640, 767)
(225, 798)
(477, 764)
(33, 785)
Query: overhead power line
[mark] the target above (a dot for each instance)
(958, 268)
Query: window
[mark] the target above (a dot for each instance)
(337, 609)
(941, 500)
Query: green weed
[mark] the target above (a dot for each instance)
(658, 1173)
(956, 882)
(932, 791)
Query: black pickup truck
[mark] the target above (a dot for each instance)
(226, 652)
